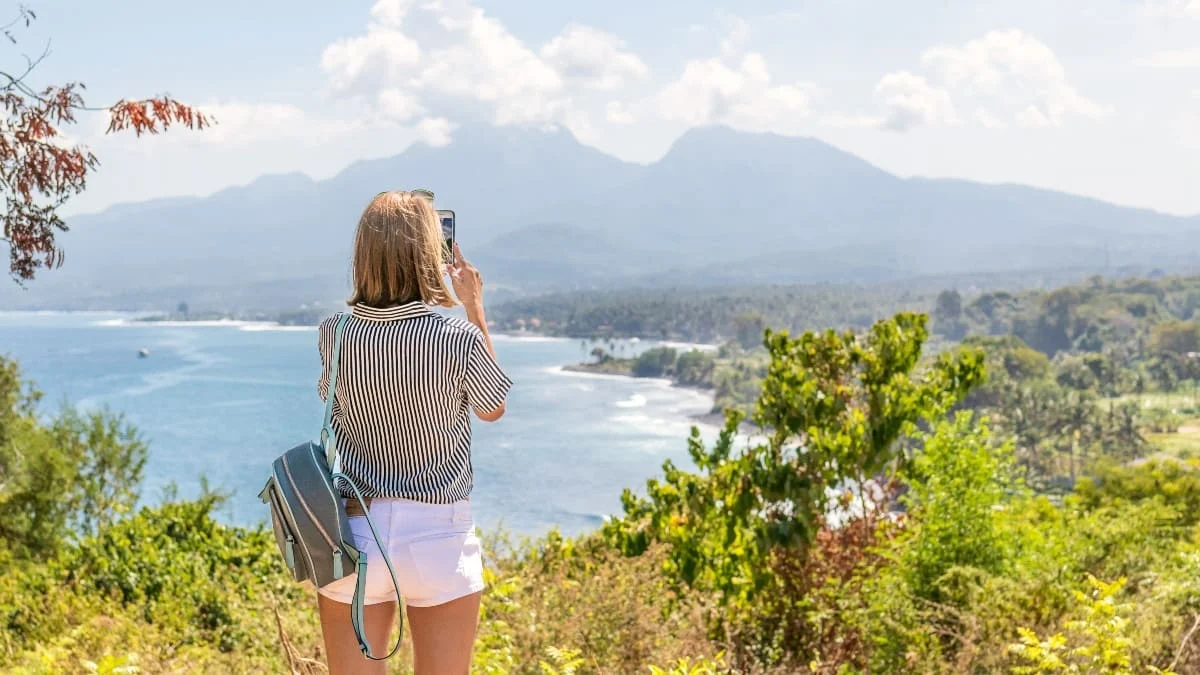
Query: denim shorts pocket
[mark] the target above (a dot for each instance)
(448, 561)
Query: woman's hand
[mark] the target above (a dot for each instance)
(467, 282)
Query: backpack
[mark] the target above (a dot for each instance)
(308, 515)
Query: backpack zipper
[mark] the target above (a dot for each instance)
(288, 520)
(289, 551)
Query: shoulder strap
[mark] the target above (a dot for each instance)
(328, 439)
(357, 620)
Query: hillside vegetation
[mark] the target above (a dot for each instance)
(975, 508)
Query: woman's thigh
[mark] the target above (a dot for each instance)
(341, 645)
(443, 636)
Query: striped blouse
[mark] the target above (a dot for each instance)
(407, 378)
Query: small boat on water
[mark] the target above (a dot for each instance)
(143, 353)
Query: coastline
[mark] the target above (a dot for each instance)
(712, 418)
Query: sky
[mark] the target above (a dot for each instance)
(1096, 97)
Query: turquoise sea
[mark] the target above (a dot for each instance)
(223, 399)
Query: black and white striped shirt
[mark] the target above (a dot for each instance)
(407, 378)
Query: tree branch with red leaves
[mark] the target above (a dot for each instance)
(40, 172)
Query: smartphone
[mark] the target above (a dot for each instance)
(446, 217)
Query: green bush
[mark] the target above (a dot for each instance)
(848, 401)
(734, 566)
(1161, 421)
(655, 362)
(958, 483)
(695, 368)
(63, 478)
(1169, 482)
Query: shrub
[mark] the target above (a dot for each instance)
(655, 362)
(838, 407)
(63, 478)
(1168, 482)
(1161, 421)
(957, 485)
(1095, 641)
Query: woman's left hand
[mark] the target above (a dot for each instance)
(467, 281)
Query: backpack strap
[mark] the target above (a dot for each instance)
(356, 604)
(329, 443)
(328, 438)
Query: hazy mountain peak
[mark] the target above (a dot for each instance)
(720, 144)
(719, 201)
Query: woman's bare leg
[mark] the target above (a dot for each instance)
(443, 636)
(341, 646)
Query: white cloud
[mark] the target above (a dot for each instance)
(1172, 58)
(1033, 118)
(1006, 76)
(738, 33)
(839, 120)
(580, 125)
(1013, 74)
(709, 91)
(446, 57)
(398, 105)
(391, 12)
(244, 123)
(368, 62)
(616, 113)
(1172, 8)
(911, 102)
(593, 58)
(988, 120)
(436, 130)
(482, 61)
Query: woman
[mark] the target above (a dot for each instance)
(407, 380)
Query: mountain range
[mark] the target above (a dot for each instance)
(538, 210)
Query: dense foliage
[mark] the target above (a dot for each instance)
(986, 508)
(705, 315)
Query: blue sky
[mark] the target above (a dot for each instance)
(1100, 98)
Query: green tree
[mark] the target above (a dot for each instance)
(1074, 373)
(1166, 370)
(838, 407)
(62, 478)
(949, 306)
(957, 482)
(948, 315)
(986, 304)
(655, 362)
(695, 368)
(1176, 337)
(749, 330)
(1053, 328)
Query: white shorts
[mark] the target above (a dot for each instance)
(433, 548)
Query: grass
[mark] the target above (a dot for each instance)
(1184, 443)
(1180, 402)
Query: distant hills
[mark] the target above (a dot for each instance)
(538, 210)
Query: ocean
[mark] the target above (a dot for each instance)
(222, 399)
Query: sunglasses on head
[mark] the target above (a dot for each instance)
(420, 192)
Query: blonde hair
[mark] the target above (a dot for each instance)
(398, 253)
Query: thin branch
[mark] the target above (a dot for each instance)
(1183, 645)
(19, 81)
(23, 14)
